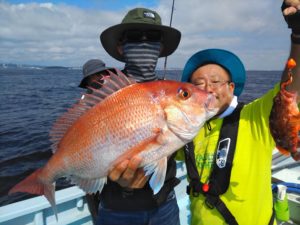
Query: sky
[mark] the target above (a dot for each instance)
(66, 33)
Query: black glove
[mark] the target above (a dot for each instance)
(293, 21)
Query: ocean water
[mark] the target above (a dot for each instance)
(32, 99)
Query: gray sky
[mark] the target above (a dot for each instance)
(67, 33)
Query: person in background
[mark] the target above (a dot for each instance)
(93, 70)
(127, 199)
(247, 198)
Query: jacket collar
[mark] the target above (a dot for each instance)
(230, 108)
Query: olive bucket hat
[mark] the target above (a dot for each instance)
(229, 61)
(91, 67)
(140, 19)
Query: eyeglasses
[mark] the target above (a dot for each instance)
(212, 84)
(142, 35)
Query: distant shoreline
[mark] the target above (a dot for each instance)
(26, 66)
(56, 67)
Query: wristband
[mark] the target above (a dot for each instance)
(295, 40)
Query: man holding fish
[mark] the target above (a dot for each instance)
(232, 153)
(138, 41)
(124, 119)
(151, 120)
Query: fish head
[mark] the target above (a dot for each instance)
(187, 108)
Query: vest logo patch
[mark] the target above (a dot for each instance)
(149, 15)
(222, 152)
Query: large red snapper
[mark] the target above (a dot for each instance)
(116, 122)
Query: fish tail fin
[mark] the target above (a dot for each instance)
(49, 192)
(30, 184)
(33, 185)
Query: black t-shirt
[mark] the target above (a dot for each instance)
(115, 197)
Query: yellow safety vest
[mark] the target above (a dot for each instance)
(249, 196)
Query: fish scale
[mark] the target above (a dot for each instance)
(117, 122)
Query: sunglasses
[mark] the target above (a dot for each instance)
(142, 35)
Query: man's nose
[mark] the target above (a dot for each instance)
(208, 88)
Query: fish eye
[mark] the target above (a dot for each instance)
(184, 94)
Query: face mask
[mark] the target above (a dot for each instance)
(141, 59)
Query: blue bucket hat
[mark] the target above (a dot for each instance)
(226, 59)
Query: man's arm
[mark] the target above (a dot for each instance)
(292, 10)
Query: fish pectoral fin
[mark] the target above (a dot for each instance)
(158, 171)
(89, 185)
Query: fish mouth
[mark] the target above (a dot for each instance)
(210, 104)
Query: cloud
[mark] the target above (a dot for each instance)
(66, 35)
(54, 34)
(246, 29)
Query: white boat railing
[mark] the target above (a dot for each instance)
(71, 205)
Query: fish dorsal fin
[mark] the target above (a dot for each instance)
(111, 84)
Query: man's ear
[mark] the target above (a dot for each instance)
(231, 86)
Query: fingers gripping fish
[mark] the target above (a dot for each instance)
(285, 118)
(117, 122)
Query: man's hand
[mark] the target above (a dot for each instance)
(128, 174)
(294, 5)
